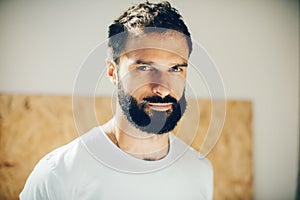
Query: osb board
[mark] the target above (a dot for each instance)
(31, 126)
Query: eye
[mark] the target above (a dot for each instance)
(144, 68)
(176, 69)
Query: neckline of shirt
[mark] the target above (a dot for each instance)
(105, 151)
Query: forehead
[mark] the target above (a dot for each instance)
(169, 42)
(152, 56)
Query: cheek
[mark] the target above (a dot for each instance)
(177, 86)
(136, 85)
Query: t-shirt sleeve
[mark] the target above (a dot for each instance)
(210, 189)
(207, 177)
(42, 183)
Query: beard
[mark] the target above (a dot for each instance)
(147, 120)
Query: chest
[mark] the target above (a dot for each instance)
(166, 184)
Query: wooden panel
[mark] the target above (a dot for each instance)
(31, 126)
(232, 156)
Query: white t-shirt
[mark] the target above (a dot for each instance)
(92, 167)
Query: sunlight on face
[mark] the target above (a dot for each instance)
(152, 74)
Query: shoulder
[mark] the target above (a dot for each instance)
(190, 155)
(198, 162)
(199, 158)
(203, 170)
(42, 182)
(197, 167)
(52, 173)
(68, 156)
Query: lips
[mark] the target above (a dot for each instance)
(160, 106)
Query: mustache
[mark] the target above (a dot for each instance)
(158, 99)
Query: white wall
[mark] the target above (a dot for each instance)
(254, 44)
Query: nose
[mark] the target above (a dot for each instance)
(160, 90)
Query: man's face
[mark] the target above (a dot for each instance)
(151, 80)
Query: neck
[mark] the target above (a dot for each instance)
(135, 142)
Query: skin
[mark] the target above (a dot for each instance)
(151, 64)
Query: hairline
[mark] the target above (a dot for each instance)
(141, 31)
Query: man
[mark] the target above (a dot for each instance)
(134, 155)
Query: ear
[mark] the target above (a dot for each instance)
(112, 72)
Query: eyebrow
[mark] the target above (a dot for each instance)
(141, 62)
(181, 65)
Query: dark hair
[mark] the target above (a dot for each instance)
(157, 16)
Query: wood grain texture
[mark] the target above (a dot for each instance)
(31, 126)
